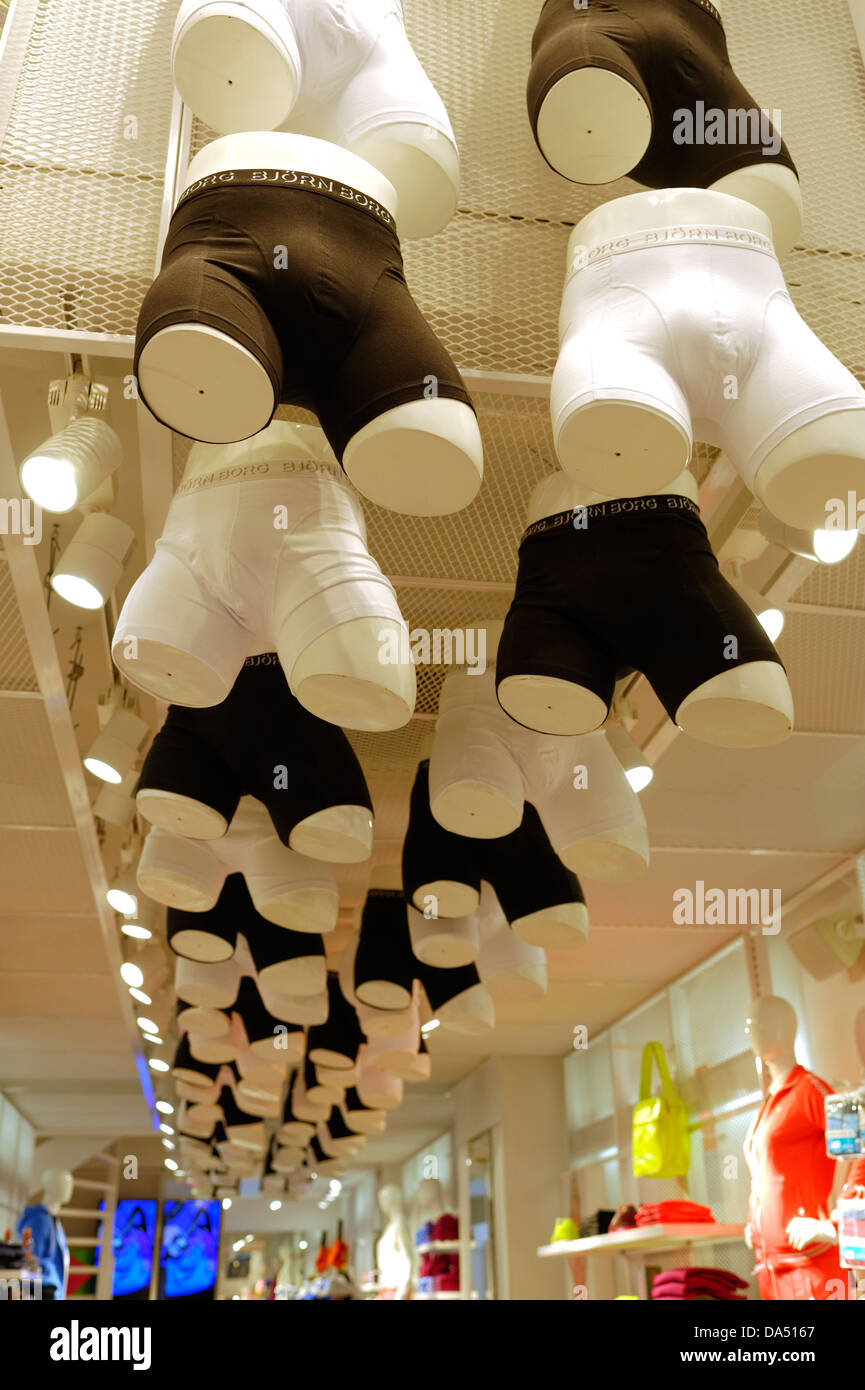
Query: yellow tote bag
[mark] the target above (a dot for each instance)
(662, 1147)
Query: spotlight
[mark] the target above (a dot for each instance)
(141, 925)
(154, 1038)
(166, 1129)
(629, 754)
(276, 1206)
(136, 931)
(93, 561)
(139, 995)
(302, 1245)
(170, 1164)
(69, 467)
(431, 1026)
(828, 546)
(147, 1024)
(157, 1064)
(169, 1144)
(123, 894)
(769, 615)
(226, 1204)
(114, 751)
(132, 974)
(164, 1107)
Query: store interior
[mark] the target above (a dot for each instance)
(432, 840)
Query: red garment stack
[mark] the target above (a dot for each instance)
(697, 1281)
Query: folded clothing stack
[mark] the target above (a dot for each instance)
(673, 1213)
(446, 1228)
(596, 1225)
(424, 1234)
(625, 1218)
(697, 1281)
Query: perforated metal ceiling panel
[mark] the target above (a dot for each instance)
(16, 668)
(87, 88)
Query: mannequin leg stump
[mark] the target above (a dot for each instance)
(338, 834)
(204, 384)
(551, 705)
(750, 706)
(616, 447)
(593, 126)
(618, 856)
(823, 460)
(182, 815)
(452, 899)
(424, 458)
(562, 928)
(342, 677)
(236, 67)
(423, 166)
(478, 810)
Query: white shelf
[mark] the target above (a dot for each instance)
(644, 1239)
(442, 1247)
(426, 1297)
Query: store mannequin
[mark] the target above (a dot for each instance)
(729, 688)
(442, 874)
(722, 356)
(791, 1175)
(603, 103)
(484, 766)
(301, 589)
(46, 1230)
(345, 72)
(513, 971)
(286, 888)
(395, 1249)
(214, 358)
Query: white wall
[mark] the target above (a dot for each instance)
(16, 1164)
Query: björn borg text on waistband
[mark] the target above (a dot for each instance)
(287, 178)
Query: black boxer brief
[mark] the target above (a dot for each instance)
(307, 275)
(238, 748)
(674, 52)
(234, 911)
(339, 1034)
(636, 583)
(384, 948)
(522, 867)
(441, 985)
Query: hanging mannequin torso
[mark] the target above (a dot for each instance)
(297, 575)
(342, 72)
(732, 705)
(484, 766)
(605, 95)
(220, 386)
(744, 372)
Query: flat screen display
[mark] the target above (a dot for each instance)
(134, 1241)
(190, 1248)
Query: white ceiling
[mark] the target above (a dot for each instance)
(490, 284)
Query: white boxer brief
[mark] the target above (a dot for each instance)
(577, 785)
(285, 887)
(228, 580)
(695, 324)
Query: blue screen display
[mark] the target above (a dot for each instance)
(134, 1241)
(190, 1248)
